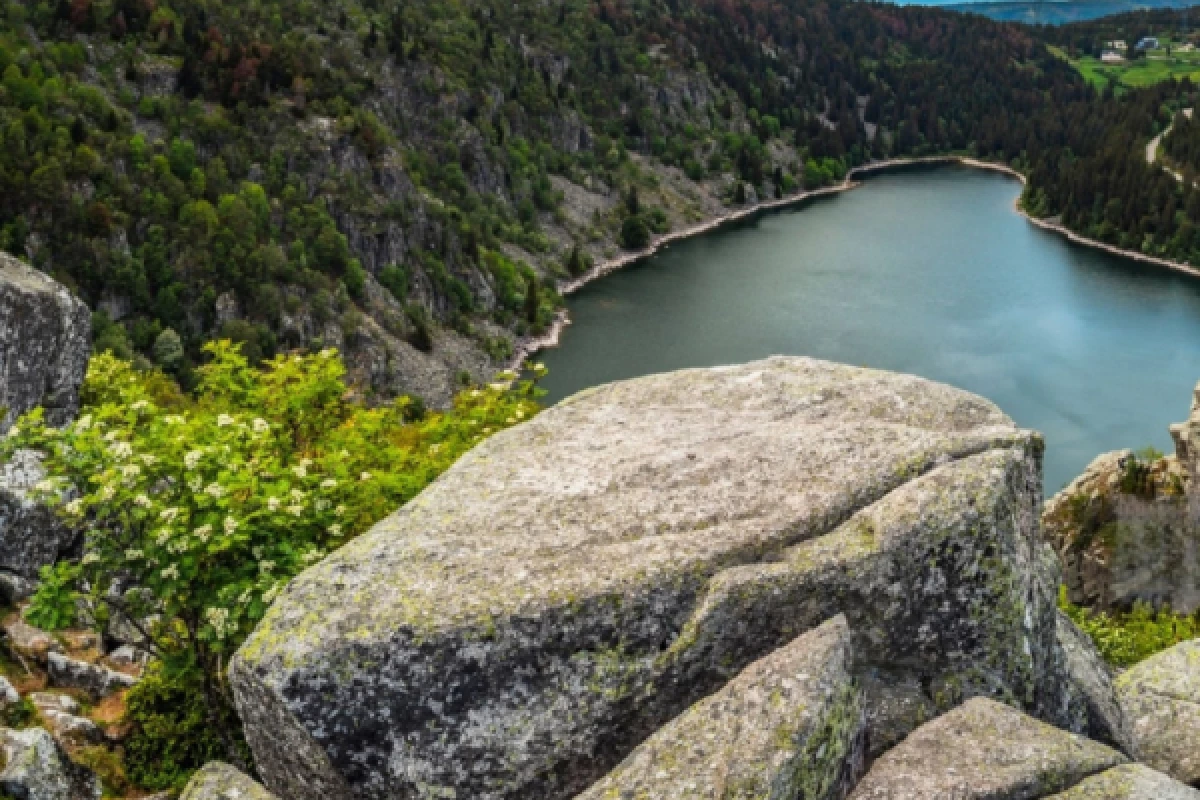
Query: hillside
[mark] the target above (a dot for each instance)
(409, 182)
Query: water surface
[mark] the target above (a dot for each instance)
(928, 271)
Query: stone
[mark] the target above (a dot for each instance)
(97, 680)
(1161, 699)
(37, 768)
(984, 750)
(71, 730)
(1128, 529)
(218, 781)
(8, 693)
(15, 589)
(791, 725)
(1129, 782)
(1092, 678)
(32, 536)
(574, 583)
(52, 701)
(45, 334)
(30, 642)
(129, 659)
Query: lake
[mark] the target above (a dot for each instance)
(928, 271)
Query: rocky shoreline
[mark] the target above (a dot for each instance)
(527, 347)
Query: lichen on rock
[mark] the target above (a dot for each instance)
(984, 750)
(1129, 782)
(573, 584)
(1161, 699)
(44, 344)
(789, 726)
(220, 781)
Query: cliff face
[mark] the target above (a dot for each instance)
(1128, 528)
(44, 344)
(574, 584)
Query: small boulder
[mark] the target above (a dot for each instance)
(1129, 782)
(790, 725)
(984, 750)
(30, 642)
(218, 781)
(1093, 681)
(37, 768)
(61, 713)
(32, 535)
(8, 693)
(128, 659)
(1161, 699)
(97, 680)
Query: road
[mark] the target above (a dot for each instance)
(1152, 148)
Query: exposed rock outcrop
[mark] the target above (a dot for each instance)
(1093, 679)
(218, 781)
(1129, 782)
(44, 344)
(984, 750)
(36, 768)
(1128, 528)
(573, 584)
(790, 725)
(1161, 698)
(97, 680)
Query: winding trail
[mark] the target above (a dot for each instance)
(528, 346)
(1152, 149)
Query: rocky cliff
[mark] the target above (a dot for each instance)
(573, 585)
(44, 344)
(1128, 528)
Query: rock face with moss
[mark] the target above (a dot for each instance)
(1129, 782)
(1092, 677)
(790, 725)
(575, 583)
(1128, 528)
(984, 750)
(1161, 698)
(44, 344)
(218, 781)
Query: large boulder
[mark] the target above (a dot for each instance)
(219, 781)
(45, 334)
(572, 584)
(790, 725)
(1093, 679)
(1129, 782)
(31, 534)
(1128, 528)
(1161, 699)
(36, 768)
(984, 750)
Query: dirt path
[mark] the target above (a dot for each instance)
(1152, 148)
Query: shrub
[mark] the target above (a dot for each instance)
(1125, 638)
(209, 504)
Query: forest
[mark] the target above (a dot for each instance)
(357, 173)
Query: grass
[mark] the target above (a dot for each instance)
(1154, 68)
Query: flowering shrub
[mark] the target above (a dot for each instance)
(198, 510)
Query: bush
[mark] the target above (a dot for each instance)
(1125, 638)
(210, 503)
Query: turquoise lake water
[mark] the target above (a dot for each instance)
(926, 271)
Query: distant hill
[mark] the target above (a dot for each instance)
(1059, 12)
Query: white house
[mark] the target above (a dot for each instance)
(1116, 44)
(1111, 57)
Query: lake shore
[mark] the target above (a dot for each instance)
(528, 346)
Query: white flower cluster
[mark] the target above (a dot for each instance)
(218, 618)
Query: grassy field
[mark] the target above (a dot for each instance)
(1157, 66)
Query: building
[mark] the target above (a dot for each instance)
(1111, 57)
(1116, 44)
(1148, 43)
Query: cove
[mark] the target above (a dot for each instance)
(930, 271)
